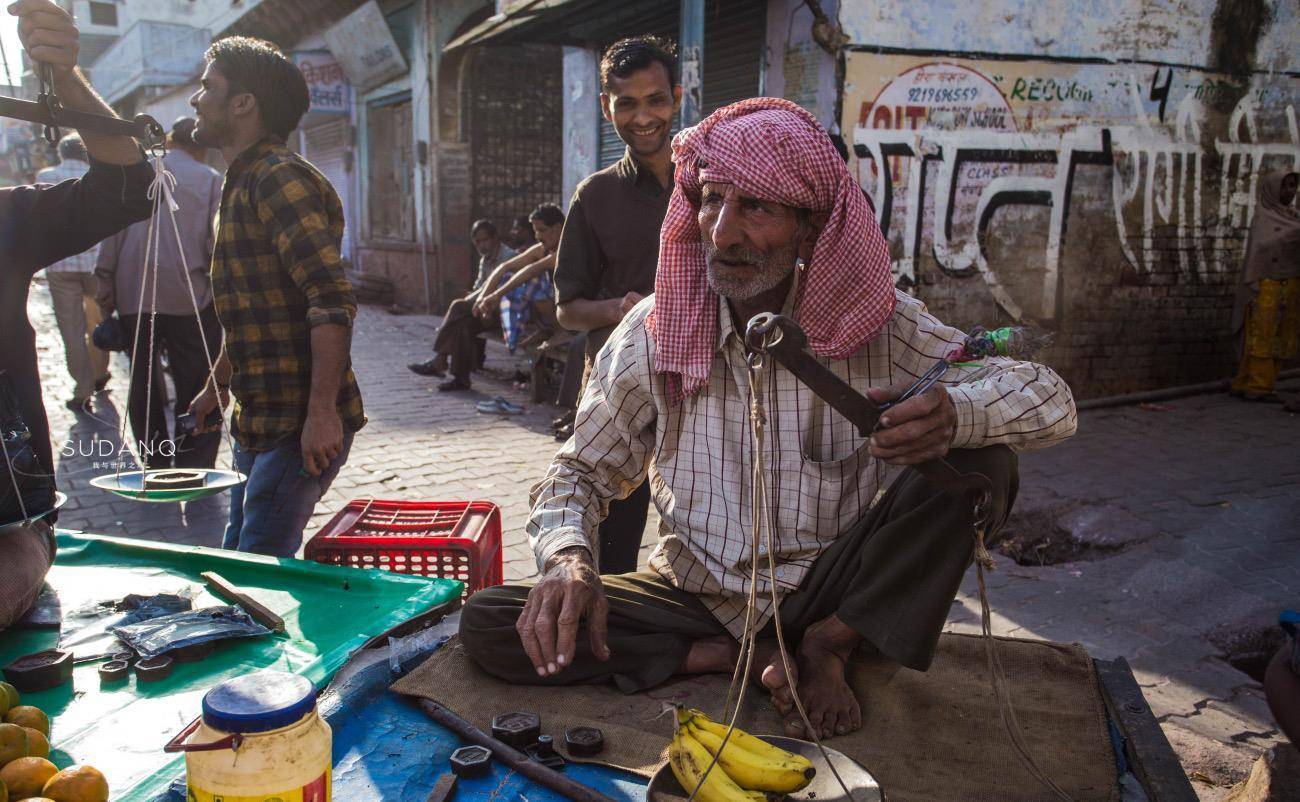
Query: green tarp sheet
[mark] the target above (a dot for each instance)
(328, 612)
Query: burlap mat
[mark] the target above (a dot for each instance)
(926, 736)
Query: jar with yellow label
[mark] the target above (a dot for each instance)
(259, 740)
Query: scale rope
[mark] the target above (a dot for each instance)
(161, 193)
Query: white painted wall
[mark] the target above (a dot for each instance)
(1160, 30)
(798, 69)
(581, 119)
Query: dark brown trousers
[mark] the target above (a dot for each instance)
(892, 577)
(457, 337)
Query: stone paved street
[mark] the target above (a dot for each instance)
(1188, 512)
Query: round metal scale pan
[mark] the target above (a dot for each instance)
(131, 485)
(824, 788)
(59, 500)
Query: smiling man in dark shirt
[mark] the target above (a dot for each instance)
(40, 225)
(610, 246)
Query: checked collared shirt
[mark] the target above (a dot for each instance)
(820, 477)
(276, 274)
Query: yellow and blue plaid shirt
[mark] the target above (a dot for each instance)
(277, 273)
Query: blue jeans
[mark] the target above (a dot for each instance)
(270, 510)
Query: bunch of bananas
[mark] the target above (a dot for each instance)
(746, 769)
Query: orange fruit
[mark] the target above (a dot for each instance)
(77, 784)
(28, 716)
(10, 695)
(37, 744)
(26, 776)
(13, 743)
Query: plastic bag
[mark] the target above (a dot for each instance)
(109, 336)
(26, 486)
(156, 636)
(88, 629)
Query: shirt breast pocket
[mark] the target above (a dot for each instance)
(827, 438)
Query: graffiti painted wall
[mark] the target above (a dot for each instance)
(1107, 202)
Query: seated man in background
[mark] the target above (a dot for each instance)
(39, 225)
(765, 217)
(489, 310)
(528, 291)
(491, 253)
(521, 234)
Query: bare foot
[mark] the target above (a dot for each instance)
(818, 666)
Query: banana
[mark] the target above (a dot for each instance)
(753, 771)
(689, 759)
(769, 754)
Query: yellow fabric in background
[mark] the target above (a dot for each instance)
(1272, 334)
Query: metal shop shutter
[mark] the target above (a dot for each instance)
(327, 148)
(735, 33)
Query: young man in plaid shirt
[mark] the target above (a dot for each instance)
(284, 303)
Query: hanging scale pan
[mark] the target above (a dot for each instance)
(169, 484)
(59, 500)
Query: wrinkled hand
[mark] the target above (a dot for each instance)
(919, 429)
(203, 405)
(630, 300)
(322, 440)
(548, 627)
(48, 34)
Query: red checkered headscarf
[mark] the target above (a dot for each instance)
(775, 151)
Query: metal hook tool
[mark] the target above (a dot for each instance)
(47, 110)
(782, 339)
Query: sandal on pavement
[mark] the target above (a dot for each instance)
(499, 406)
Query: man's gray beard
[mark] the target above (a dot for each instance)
(767, 275)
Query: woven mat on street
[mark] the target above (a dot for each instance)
(926, 736)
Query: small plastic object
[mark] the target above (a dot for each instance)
(40, 671)
(114, 671)
(544, 752)
(584, 741)
(471, 762)
(449, 539)
(517, 729)
(154, 669)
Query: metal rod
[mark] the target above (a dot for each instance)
(512, 758)
(143, 127)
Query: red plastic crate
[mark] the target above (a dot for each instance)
(450, 539)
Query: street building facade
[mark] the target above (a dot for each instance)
(1083, 172)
